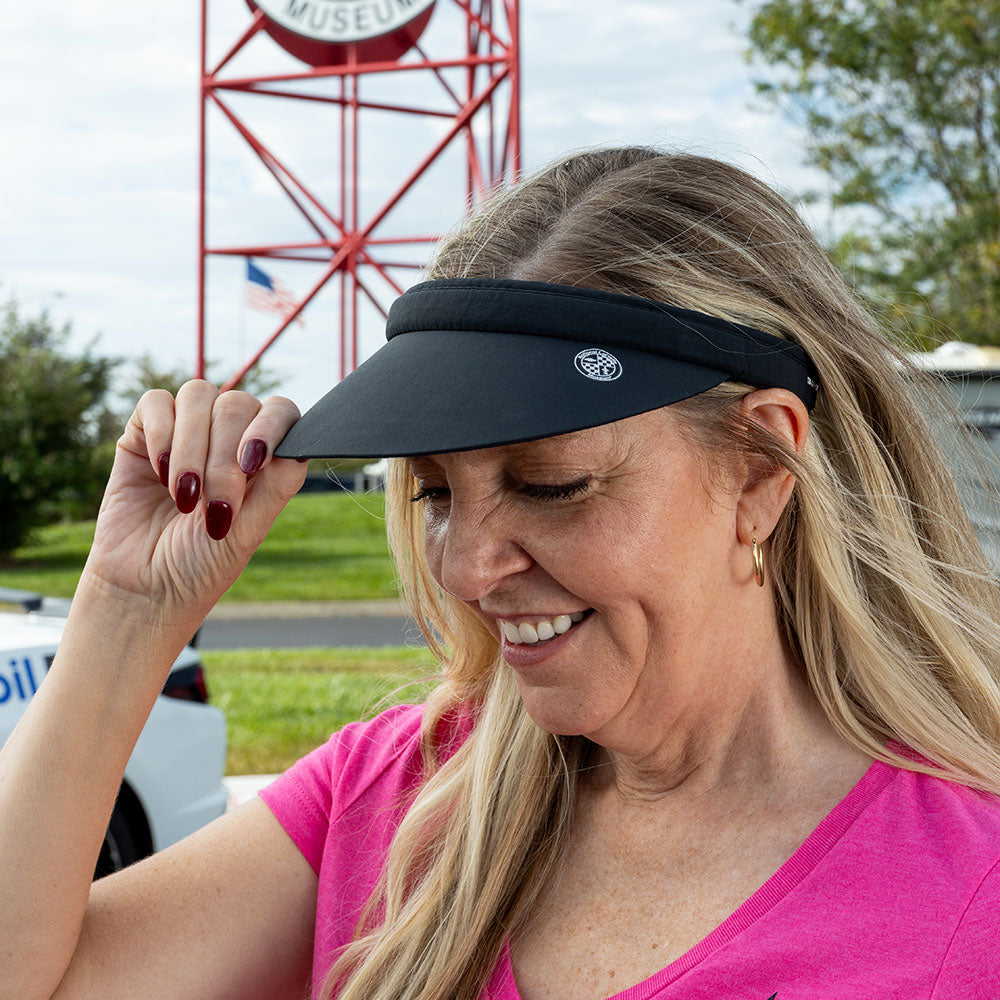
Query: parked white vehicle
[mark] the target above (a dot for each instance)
(173, 781)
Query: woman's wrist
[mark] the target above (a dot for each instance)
(130, 617)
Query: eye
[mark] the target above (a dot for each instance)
(556, 491)
(430, 493)
(537, 491)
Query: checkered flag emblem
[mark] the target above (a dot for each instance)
(598, 365)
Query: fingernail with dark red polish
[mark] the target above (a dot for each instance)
(188, 488)
(163, 467)
(218, 518)
(252, 458)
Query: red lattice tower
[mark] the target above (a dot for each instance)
(345, 45)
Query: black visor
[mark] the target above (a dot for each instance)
(473, 363)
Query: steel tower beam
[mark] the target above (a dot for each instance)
(483, 115)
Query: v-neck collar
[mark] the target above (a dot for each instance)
(812, 851)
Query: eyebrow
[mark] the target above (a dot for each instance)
(413, 461)
(516, 450)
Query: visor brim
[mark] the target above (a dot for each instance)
(441, 391)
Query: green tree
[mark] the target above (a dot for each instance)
(259, 381)
(147, 374)
(56, 429)
(900, 100)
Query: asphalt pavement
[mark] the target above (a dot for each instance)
(281, 625)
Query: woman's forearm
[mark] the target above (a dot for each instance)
(60, 772)
(156, 568)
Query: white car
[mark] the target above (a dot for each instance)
(173, 781)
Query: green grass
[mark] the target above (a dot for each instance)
(323, 547)
(280, 704)
(51, 562)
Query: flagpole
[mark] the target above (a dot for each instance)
(241, 326)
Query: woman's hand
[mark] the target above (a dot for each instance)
(164, 552)
(193, 491)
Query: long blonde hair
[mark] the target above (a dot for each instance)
(882, 588)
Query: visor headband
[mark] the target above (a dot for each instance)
(567, 312)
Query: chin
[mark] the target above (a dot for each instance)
(558, 713)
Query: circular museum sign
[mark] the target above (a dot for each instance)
(341, 21)
(317, 31)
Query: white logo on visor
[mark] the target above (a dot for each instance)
(598, 365)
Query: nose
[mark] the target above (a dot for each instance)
(475, 551)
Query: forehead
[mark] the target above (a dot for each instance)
(604, 444)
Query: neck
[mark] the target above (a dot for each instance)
(749, 730)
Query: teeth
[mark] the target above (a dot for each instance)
(510, 632)
(530, 633)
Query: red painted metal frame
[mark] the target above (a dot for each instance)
(346, 244)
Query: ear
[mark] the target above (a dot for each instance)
(768, 487)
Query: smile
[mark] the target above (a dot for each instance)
(531, 633)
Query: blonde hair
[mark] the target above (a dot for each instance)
(881, 585)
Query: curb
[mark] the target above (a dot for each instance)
(244, 787)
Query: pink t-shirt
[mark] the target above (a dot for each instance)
(894, 896)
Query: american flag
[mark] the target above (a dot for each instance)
(268, 294)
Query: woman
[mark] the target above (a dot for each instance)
(720, 712)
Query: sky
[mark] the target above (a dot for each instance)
(98, 156)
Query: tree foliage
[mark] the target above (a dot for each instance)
(56, 429)
(147, 374)
(58, 426)
(900, 100)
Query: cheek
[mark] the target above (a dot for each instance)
(601, 559)
(614, 543)
(651, 567)
(433, 551)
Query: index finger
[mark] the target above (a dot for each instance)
(265, 431)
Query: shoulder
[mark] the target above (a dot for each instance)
(360, 754)
(937, 843)
(367, 769)
(330, 778)
(933, 840)
(371, 761)
(910, 889)
(363, 754)
(949, 821)
(971, 965)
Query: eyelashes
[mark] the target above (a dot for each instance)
(429, 493)
(537, 491)
(561, 491)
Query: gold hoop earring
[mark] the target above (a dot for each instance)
(758, 561)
